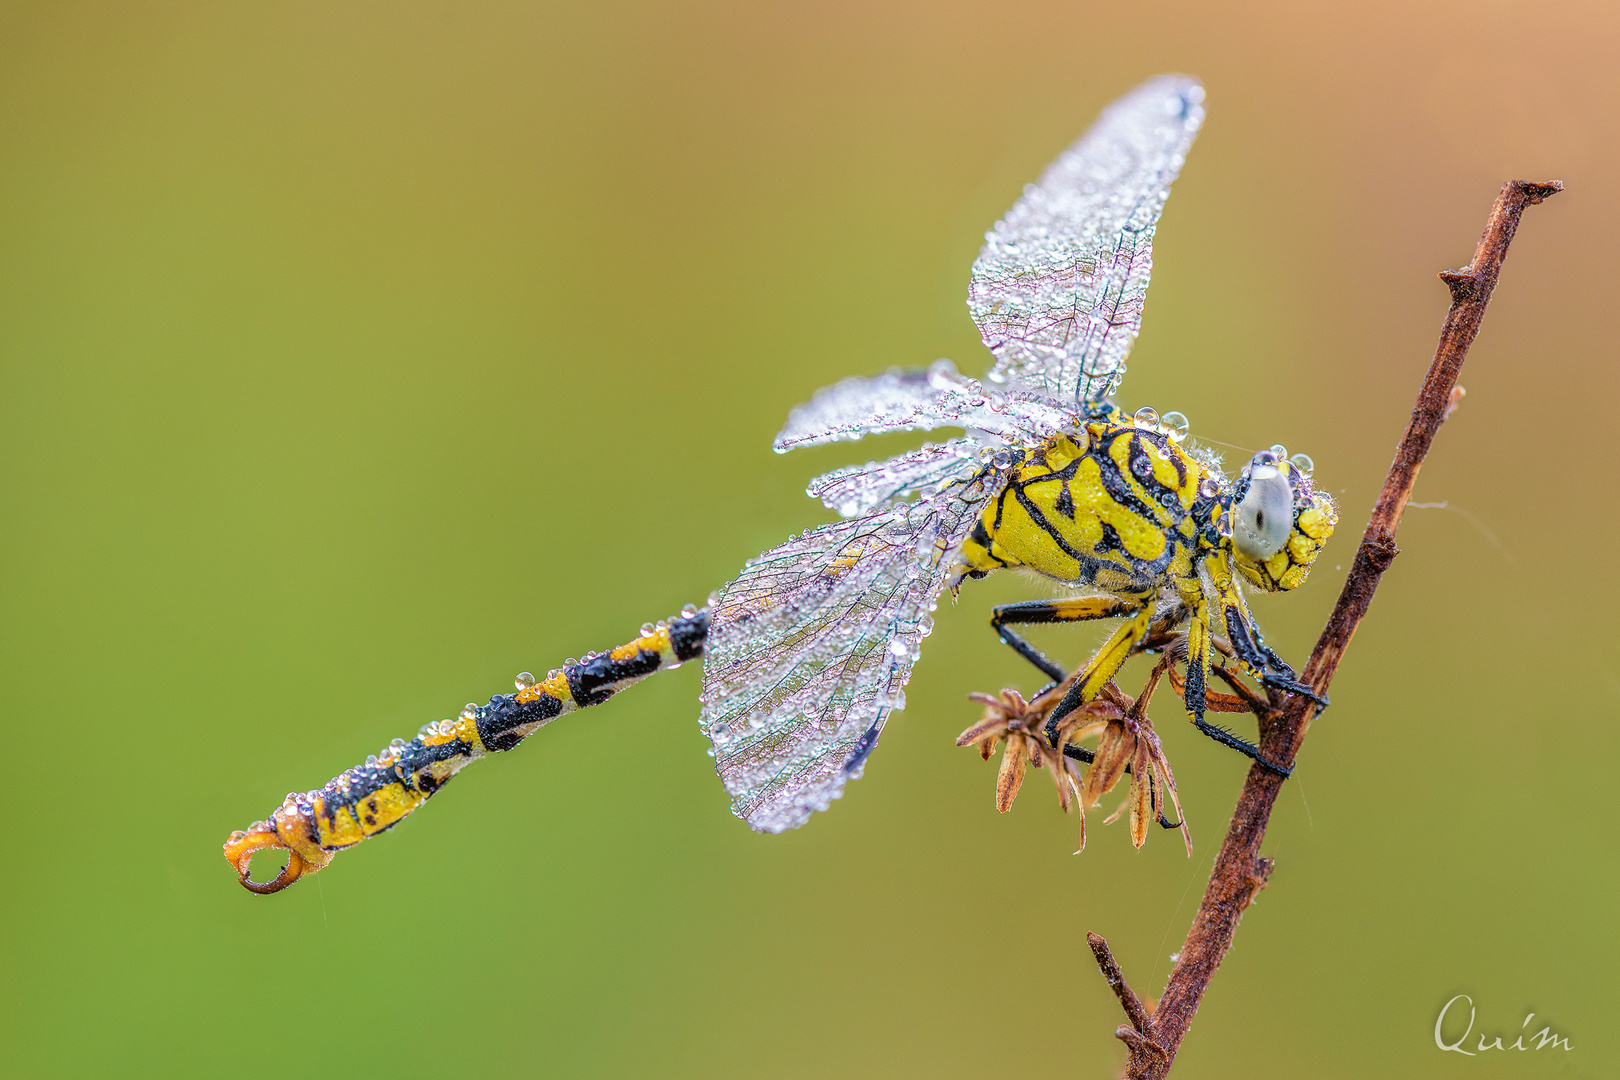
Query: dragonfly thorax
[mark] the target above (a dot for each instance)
(1113, 506)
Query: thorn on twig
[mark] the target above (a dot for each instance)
(1463, 284)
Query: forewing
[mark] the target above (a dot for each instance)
(1057, 291)
(809, 650)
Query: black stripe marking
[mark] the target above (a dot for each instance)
(1001, 504)
(981, 536)
(1170, 452)
(1180, 464)
(686, 636)
(1064, 503)
(1142, 469)
(365, 781)
(1045, 526)
(427, 783)
(1119, 488)
(415, 755)
(498, 720)
(596, 680)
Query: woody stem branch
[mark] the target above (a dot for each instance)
(1239, 871)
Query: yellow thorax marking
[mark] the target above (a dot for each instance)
(1078, 515)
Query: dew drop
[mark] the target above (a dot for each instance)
(1147, 416)
(689, 611)
(1279, 450)
(647, 629)
(1176, 425)
(1223, 524)
(524, 680)
(396, 743)
(1303, 463)
(1208, 488)
(469, 711)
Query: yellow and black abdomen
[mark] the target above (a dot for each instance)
(1112, 508)
(373, 797)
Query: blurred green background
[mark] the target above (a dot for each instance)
(359, 356)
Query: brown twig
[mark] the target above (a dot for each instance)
(1134, 1010)
(1139, 1034)
(1239, 871)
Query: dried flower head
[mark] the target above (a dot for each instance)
(1127, 745)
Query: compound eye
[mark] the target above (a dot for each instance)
(1265, 517)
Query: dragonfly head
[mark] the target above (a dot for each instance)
(1278, 520)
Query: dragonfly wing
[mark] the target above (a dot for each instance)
(1057, 291)
(809, 651)
(915, 399)
(921, 400)
(859, 489)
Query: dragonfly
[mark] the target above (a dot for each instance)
(808, 652)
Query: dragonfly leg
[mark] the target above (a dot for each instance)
(1198, 666)
(1038, 612)
(1105, 665)
(1242, 746)
(1260, 658)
